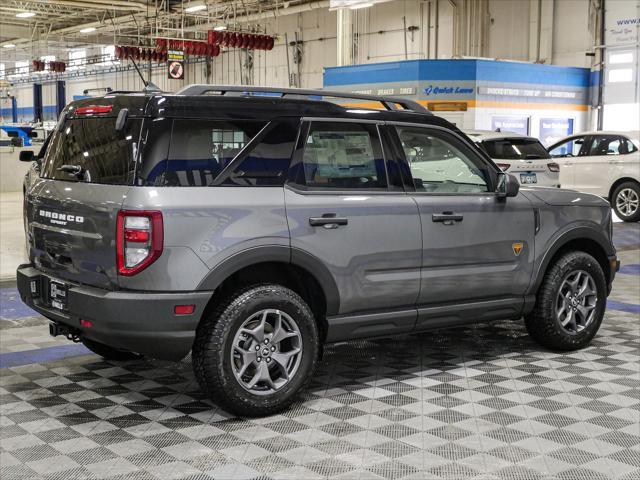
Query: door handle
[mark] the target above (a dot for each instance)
(328, 220)
(448, 218)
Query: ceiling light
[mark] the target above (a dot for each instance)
(88, 30)
(9, 45)
(219, 28)
(358, 6)
(25, 14)
(195, 8)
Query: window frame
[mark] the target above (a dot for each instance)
(473, 155)
(584, 149)
(298, 152)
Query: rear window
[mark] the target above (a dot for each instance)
(515, 149)
(98, 152)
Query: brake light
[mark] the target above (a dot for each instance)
(503, 166)
(93, 109)
(553, 167)
(139, 240)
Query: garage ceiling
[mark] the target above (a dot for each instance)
(56, 24)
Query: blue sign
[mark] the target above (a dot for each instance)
(554, 129)
(511, 124)
(454, 90)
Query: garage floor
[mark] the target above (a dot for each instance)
(483, 402)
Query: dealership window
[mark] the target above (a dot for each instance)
(438, 165)
(77, 59)
(21, 69)
(108, 55)
(342, 156)
(1, 70)
(620, 75)
(620, 57)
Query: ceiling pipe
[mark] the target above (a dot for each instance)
(98, 4)
(252, 17)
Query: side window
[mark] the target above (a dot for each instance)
(440, 164)
(267, 163)
(605, 145)
(570, 148)
(627, 146)
(201, 149)
(341, 155)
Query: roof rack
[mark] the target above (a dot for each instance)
(390, 103)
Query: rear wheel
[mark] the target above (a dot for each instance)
(570, 303)
(626, 201)
(108, 352)
(257, 350)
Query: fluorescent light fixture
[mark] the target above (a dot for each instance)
(25, 14)
(88, 30)
(219, 28)
(9, 45)
(195, 8)
(358, 6)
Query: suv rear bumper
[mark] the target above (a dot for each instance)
(141, 322)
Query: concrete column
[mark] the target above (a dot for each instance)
(345, 37)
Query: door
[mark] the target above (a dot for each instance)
(478, 250)
(594, 171)
(565, 154)
(342, 211)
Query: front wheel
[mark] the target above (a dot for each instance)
(257, 350)
(626, 201)
(570, 303)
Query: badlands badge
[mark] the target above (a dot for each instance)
(517, 248)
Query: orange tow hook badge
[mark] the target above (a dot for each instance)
(517, 248)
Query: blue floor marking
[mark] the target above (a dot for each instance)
(631, 269)
(622, 306)
(11, 306)
(42, 355)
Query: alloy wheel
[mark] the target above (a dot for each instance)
(266, 351)
(576, 301)
(627, 201)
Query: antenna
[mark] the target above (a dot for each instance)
(148, 85)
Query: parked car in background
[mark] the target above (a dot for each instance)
(522, 156)
(604, 163)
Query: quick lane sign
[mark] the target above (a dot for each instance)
(175, 64)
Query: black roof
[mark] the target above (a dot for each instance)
(254, 107)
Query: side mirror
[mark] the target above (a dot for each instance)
(27, 156)
(508, 185)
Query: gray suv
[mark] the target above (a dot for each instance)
(250, 226)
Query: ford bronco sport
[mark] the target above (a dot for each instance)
(250, 226)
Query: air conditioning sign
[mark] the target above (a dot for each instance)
(175, 64)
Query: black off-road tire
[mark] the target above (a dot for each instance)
(633, 186)
(211, 354)
(109, 353)
(542, 323)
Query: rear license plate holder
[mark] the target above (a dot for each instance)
(528, 178)
(58, 294)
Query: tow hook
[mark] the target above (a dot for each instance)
(56, 329)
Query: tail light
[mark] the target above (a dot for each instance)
(553, 167)
(93, 109)
(139, 240)
(503, 166)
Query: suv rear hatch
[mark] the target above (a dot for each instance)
(520, 154)
(72, 209)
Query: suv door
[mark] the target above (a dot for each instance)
(594, 171)
(343, 212)
(565, 154)
(478, 250)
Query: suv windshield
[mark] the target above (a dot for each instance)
(514, 149)
(91, 150)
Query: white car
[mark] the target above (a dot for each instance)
(604, 163)
(525, 157)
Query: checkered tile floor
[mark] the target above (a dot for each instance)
(483, 402)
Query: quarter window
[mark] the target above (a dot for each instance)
(439, 165)
(341, 155)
